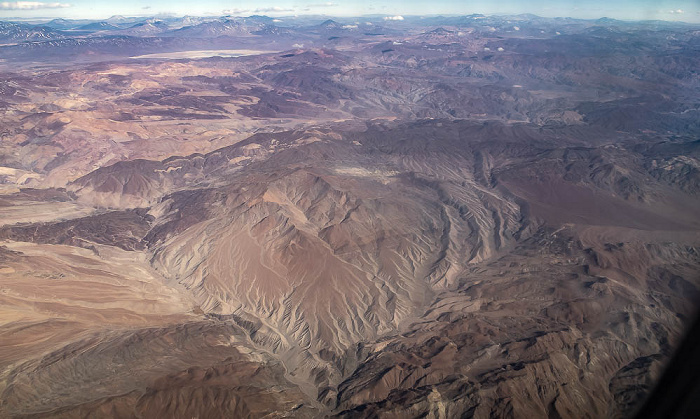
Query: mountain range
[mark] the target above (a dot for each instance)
(474, 216)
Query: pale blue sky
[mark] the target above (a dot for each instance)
(685, 10)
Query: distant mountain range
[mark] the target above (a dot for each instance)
(20, 32)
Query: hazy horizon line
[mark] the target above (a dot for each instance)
(339, 16)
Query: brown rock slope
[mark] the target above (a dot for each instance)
(428, 269)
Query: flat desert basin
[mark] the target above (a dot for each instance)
(204, 54)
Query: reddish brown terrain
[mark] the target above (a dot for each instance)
(444, 219)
